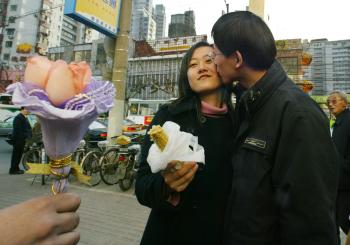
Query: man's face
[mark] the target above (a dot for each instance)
(336, 104)
(25, 112)
(226, 66)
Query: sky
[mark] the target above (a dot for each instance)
(305, 19)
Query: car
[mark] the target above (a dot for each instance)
(6, 125)
(97, 132)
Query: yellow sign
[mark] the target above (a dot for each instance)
(102, 15)
(175, 48)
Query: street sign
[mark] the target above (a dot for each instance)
(101, 15)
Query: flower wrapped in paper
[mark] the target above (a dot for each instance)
(66, 101)
(171, 144)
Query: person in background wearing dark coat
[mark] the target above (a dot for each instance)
(21, 131)
(285, 165)
(188, 205)
(338, 106)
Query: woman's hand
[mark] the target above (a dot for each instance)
(178, 178)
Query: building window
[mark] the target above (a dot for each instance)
(10, 31)
(13, 7)
(83, 55)
(12, 19)
(6, 56)
(8, 44)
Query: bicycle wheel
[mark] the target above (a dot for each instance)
(31, 156)
(109, 166)
(126, 183)
(78, 156)
(91, 166)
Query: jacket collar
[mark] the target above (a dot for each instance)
(254, 97)
(182, 105)
(342, 116)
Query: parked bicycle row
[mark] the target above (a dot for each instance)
(113, 162)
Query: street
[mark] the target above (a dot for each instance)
(107, 215)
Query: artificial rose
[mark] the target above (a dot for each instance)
(37, 70)
(60, 86)
(81, 75)
(60, 80)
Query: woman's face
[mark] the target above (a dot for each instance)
(201, 72)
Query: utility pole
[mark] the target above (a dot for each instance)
(116, 114)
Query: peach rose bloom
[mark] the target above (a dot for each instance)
(81, 75)
(60, 86)
(37, 70)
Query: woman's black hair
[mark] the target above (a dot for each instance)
(247, 33)
(185, 91)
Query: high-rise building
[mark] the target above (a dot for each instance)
(182, 25)
(73, 32)
(143, 25)
(25, 31)
(160, 20)
(330, 67)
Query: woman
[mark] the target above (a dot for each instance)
(188, 204)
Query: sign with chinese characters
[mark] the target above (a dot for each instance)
(101, 15)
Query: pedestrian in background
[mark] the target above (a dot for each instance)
(285, 165)
(21, 132)
(338, 106)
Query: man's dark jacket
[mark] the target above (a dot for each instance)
(21, 128)
(285, 168)
(341, 139)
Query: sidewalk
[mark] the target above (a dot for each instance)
(108, 216)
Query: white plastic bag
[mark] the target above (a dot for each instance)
(181, 146)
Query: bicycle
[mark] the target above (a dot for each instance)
(118, 164)
(35, 153)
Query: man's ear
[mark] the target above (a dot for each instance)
(238, 58)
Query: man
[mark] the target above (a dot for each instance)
(21, 131)
(338, 106)
(41, 220)
(285, 166)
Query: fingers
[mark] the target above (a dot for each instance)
(67, 222)
(183, 182)
(179, 180)
(69, 238)
(66, 202)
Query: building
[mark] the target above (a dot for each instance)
(160, 18)
(73, 32)
(182, 25)
(330, 67)
(153, 66)
(24, 32)
(153, 70)
(143, 24)
(289, 54)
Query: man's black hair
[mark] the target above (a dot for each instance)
(247, 33)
